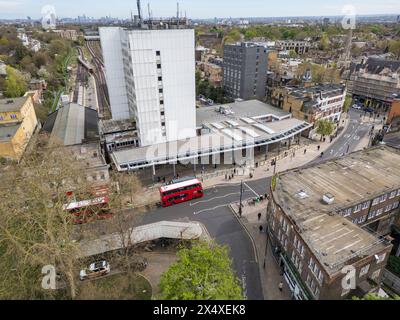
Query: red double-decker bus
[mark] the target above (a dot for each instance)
(89, 210)
(181, 190)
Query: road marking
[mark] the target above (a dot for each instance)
(210, 209)
(209, 200)
(257, 195)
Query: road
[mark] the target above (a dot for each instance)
(350, 139)
(222, 225)
(213, 212)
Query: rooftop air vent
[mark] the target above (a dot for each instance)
(302, 194)
(328, 198)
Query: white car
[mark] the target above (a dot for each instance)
(95, 270)
(356, 106)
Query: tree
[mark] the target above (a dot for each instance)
(394, 47)
(373, 296)
(35, 231)
(202, 272)
(325, 128)
(15, 85)
(347, 103)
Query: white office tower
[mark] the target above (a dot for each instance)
(151, 78)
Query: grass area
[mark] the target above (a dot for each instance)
(116, 287)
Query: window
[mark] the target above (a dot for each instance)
(398, 192)
(357, 208)
(388, 208)
(375, 202)
(1, 118)
(13, 116)
(159, 78)
(379, 211)
(365, 205)
(392, 194)
(161, 102)
(163, 113)
(396, 205)
(163, 124)
(160, 90)
(158, 53)
(376, 274)
(383, 198)
(381, 258)
(364, 270)
(158, 65)
(311, 264)
(348, 212)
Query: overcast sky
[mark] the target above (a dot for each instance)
(197, 8)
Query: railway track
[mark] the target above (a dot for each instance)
(101, 84)
(81, 75)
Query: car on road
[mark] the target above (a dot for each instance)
(356, 106)
(95, 270)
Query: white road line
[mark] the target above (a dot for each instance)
(209, 200)
(210, 209)
(257, 195)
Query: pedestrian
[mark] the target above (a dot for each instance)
(261, 228)
(259, 216)
(319, 148)
(305, 151)
(226, 176)
(280, 286)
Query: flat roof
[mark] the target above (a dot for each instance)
(351, 180)
(72, 124)
(243, 109)
(215, 142)
(12, 104)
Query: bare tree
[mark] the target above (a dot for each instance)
(35, 230)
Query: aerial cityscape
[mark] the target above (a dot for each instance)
(198, 150)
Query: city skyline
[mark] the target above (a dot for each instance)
(19, 9)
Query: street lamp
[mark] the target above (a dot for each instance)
(241, 196)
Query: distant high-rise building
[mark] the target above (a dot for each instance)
(245, 70)
(151, 78)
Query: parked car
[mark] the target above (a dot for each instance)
(357, 107)
(95, 270)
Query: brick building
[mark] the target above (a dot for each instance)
(333, 215)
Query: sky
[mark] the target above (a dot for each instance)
(196, 9)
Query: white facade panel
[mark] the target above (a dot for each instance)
(174, 119)
(111, 43)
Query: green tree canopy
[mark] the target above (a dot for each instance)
(203, 272)
(373, 296)
(15, 85)
(394, 47)
(325, 127)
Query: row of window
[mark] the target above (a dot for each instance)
(365, 205)
(12, 116)
(316, 270)
(383, 198)
(390, 207)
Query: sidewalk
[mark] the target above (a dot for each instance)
(270, 273)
